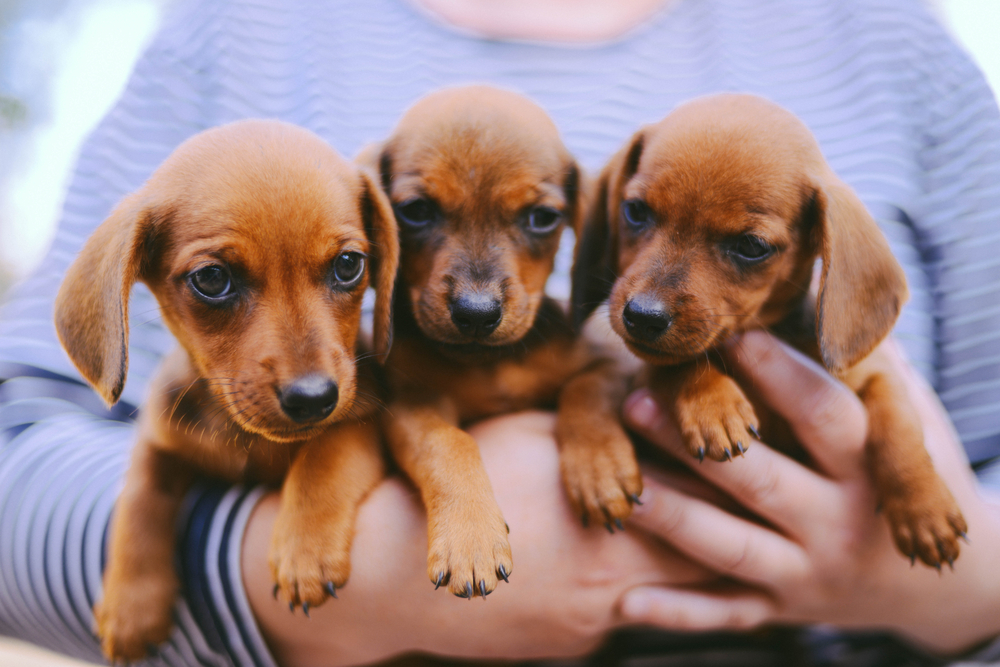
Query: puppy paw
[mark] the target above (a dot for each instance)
(135, 615)
(716, 422)
(468, 549)
(309, 560)
(926, 525)
(601, 477)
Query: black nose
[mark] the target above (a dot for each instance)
(476, 314)
(645, 318)
(309, 398)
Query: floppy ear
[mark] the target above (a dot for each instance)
(596, 259)
(91, 309)
(862, 287)
(380, 226)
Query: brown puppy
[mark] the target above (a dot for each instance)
(258, 242)
(482, 187)
(709, 223)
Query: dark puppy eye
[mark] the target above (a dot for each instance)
(750, 249)
(542, 219)
(212, 282)
(348, 269)
(416, 213)
(637, 213)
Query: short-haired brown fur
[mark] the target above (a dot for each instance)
(709, 223)
(244, 235)
(483, 188)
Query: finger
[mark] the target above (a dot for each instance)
(678, 609)
(727, 544)
(768, 483)
(826, 416)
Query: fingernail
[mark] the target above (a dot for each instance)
(635, 605)
(641, 410)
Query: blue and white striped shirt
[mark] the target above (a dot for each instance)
(900, 112)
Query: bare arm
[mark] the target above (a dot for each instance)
(560, 601)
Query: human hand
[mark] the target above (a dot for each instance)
(821, 553)
(562, 595)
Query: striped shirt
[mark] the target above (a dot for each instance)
(900, 111)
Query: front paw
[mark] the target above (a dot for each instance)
(135, 614)
(926, 523)
(601, 477)
(309, 560)
(716, 421)
(468, 549)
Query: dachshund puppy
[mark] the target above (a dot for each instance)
(709, 223)
(258, 242)
(482, 188)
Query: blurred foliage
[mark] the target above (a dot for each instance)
(13, 112)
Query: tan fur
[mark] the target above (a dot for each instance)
(713, 173)
(484, 159)
(275, 207)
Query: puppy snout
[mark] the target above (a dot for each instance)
(476, 314)
(310, 398)
(646, 318)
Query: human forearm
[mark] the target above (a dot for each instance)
(561, 597)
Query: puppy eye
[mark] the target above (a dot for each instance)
(750, 249)
(543, 219)
(212, 282)
(348, 268)
(416, 213)
(637, 213)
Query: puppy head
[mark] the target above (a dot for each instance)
(258, 241)
(708, 223)
(482, 188)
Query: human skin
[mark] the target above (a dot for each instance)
(829, 558)
(571, 586)
(561, 599)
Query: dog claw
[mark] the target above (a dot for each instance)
(291, 607)
(727, 454)
(277, 587)
(482, 588)
(740, 448)
(505, 525)
(468, 590)
(331, 589)
(437, 584)
(913, 559)
(607, 524)
(305, 609)
(503, 574)
(753, 431)
(701, 455)
(965, 538)
(635, 499)
(619, 525)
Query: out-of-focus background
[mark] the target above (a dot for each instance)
(64, 62)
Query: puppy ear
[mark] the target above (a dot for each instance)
(369, 156)
(596, 259)
(862, 287)
(380, 226)
(91, 309)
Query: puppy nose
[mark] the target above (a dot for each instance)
(309, 398)
(646, 318)
(476, 314)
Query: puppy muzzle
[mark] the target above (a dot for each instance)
(309, 399)
(645, 318)
(476, 314)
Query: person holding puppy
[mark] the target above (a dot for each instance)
(901, 115)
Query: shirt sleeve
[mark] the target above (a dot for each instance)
(957, 219)
(62, 452)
